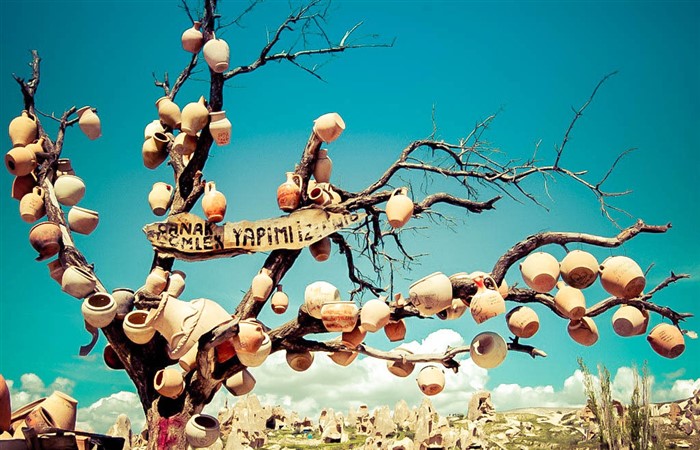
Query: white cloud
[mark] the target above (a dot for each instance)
(102, 414)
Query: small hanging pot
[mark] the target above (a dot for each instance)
(339, 316)
(523, 322)
(666, 340)
(395, 330)
(78, 282)
(300, 361)
(431, 294)
(216, 54)
(289, 193)
(31, 207)
(46, 238)
(135, 327)
(374, 315)
(540, 271)
(323, 167)
(570, 301)
(486, 303)
(241, 383)
(488, 350)
(23, 129)
(279, 301)
(630, 321)
(401, 368)
(213, 203)
(160, 198)
(192, 39)
(89, 123)
(622, 277)
(194, 117)
(399, 208)
(583, 331)
(220, 128)
(169, 113)
(321, 250)
(318, 293)
(352, 339)
(579, 269)
(261, 286)
(169, 383)
(83, 220)
(329, 127)
(431, 380)
(176, 283)
(99, 309)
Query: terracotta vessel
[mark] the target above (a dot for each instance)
(523, 322)
(185, 144)
(334, 196)
(195, 117)
(257, 358)
(37, 147)
(317, 294)
(431, 294)
(401, 368)
(152, 128)
(188, 361)
(20, 161)
(160, 198)
(89, 123)
(155, 150)
(78, 282)
(279, 301)
(39, 419)
(300, 361)
(31, 207)
(352, 339)
(202, 430)
(82, 220)
(399, 208)
(62, 408)
(583, 331)
(374, 315)
(169, 383)
(489, 282)
(240, 383)
(176, 283)
(220, 128)
(5, 405)
(321, 250)
(23, 185)
(111, 358)
(192, 39)
(329, 127)
(579, 269)
(64, 167)
(431, 380)
(540, 271)
(156, 281)
(135, 327)
(319, 196)
(666, 340)
(169, 113)
(455, 311)
(630, 321)
(488, 350)
(622, 277)
(261, 287)
(216, 54)
(395, 330)
(124, 298)
(486, 303)
(22, 129)
(250, 336)
(213, 203)
(343, 358)
(339, 316)
(56, 270)
(69, 189)
(45, 237)
(323, 166)
(570, 301)
(99, 309)
(289, 193)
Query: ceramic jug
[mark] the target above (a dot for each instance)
(176, 283)
(45, 237)
(261, 287)
(318, 293)
(213, 203)
(279, 301)
(154, 150)
(194, 117)
(488, 350)
(323, 167)
(124, 298)
(78, 282)
(339, 316)
(666, 340)
(185, 144)
(289, 193)
(89, 123)
(523, 322)
(352, 339)
(622, 277)
(570, 301)
(216, 54)
(192, 39)
(37, 147)
(135, 327)
(321, 250)
(202, 430)
(169, 383)
(31, 207)
(99, 309)
(152, 128)
(630, 321)
(431, 380)
(395, 330)
(374, 315)
(486, 303)
(399, 208)
(23, 185)
(69, 189)
(257, 358)
(82, 220)
(20, 161)
(156, 281)
(329, 127)
(300, 361)
(241, 383)
(250, 336)
(22, 129)
(431, 294)
(160, 198)
(583, 331)
(169, 113)
(220, 128)
(490, 282)
(401, 368)
(579, 269)
(540, 271)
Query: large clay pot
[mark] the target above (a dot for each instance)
(321, 250)
(22, 129)
(300, 361)
(630, 321)
(78, 282)
(213, 203)
(261, 286)
(99, 309)
(82, 220)
(202, 430)
(257, 358)
(250, 336)
(216, 54)
(195, 117)
(56, 270)
(374, 315)
(241, 383)
(401, 368)
(317, 294)
(583, 331)
(169, 383)
(69, 189)
(666, 340)
(160, 197)
(155, 150)
(176, 283)
(31, 207)
(399, 208)
(192, 39)
(62, 408)
(352, 339)
(5, 406)
(570, 301)
(111, 359)
(395, 330)
(343, 358)
(431, 380)
(323, 167)
(488, 350)
(523, 322)
(169, 113)
(124, 298)
(89, 123)
(289, 193)
(622, 277)
(45, 237)
(579, 269)
(329, 127)
(135, 327)
(431, 294)
(37, 147)
(220, 128)
(156, 281)
(185, 144)
(20, 161)
(23, 185)
(152, 128)
(339, 316)
(279, 301)
(540, 271)
(486, 303)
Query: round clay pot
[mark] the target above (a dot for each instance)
(213, 203)
(250, 336)
(399, 208)
(488, 350)
(45, 237)
(78, 282)
(352, 339)
(321, 250)
(23, 185)
(279, 301)
(185, 144)
(339, 316)
(329, 127)
(583, 331)
(261, 287)
(202, 430)
(289, 193)
(69, 189)
(156, 281)
(570, 301)
(31, 207)
(431, 294)
(257, 358)
(37, 147)
(300, 361)
(216, 54)
(431, 380)
(579, 269)
(318, 293)
(20, 161)
(323, 167)
(82, 220)
(343, 358)
(89, 123)
(176, 283)
(62, 408)
(486, 303)
(168, 112)
(666, 340)
(99, 309)
(56, 270)
(374, 315)
(241, 383)
(395, 330)
(401, 368)
(169, 383)
(630, 321)
(64, 167)
(523, 322)
(540, 271)
(195, 117)
(124, 298)
(192, 39)
(135, 327)
(160, 197)
(111, 358)
(154, 150)
(152, 128)
(220, 128)
(622, 277)
(5, 405)
(22, 129)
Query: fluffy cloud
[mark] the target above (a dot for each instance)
(102, 414)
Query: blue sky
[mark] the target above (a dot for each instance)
(531, 61)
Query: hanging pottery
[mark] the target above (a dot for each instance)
(343, 358)
(56, 270)
(192, 39)
(401, 368)
(23, 129)
(540, 271)
(45, 237)
(20, 161)
(213, 203)
(490, 282)
(23, 185)
(202, 430)
(99, 309)
(321, 250)
(300, 361)
(374, 315)
(523, 322)
(89, 123)
(250, 336)
(289, 193)
(666, 340)
(5, 406)
(31, 207)
(220, 128)
(176, 283)
(570, 301)
(622, 277)
(156, 281)
(152, 128)
(323, 166)
(82, 220)
(335, 197)
(185, 144)
(241, 383)
(329, 127)
(399, 208)
(279, 301)
(64, 167)
(124, 298)
(431, 380)
(169, 113)
(188, 361)
(78, 282)
(339, 316)
(486, 303)
(160, 198)
(630, 321)
(62, 409)
(69, 189)
(111, 359)
(488, 350)
(395, 330)
(431, 294)
(169, 383)
(261, 287)
(194, 117)
(352, 339)
(155, 150)
(319, 196)
(455, 311)
(37, 147)
(318, 293)
(216, 54)
(583, 331)
(579, 269)
(257, 358)
(135, 327)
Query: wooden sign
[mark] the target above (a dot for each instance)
(188, 236)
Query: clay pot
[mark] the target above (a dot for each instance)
(339, 316)
(300, 361)
(489, 282)
(169, 383)
(195, 117)
(250, 336)
(431, 294)
(334, 196)
(455, 311)
(155, 150)
(540, 271)
(431, 380)
(395, 330)
(486, 303)
(352, 339)
(45, 237)
(89, 123)
(317, 294)
(321, 250)
(188, 361)
(401, 368)
(62, 408)
(135, 327)
(216, 54)
(156, 281)
(329, 127)
(399, 208)
(213, 203)
(279, 301)
(343, 358)
(78, 282)
(23, 185)
(666, 340)
(630, 321)
(20, 161)
(319, 196)
(220, 128)
(124, 298)
(289, 193)
(99, 309)
(583, 331)
(257, 358)
(160, 198)
(69, 189)
(31, 207)
(202, 430)
(374, 315)
(83, 221)
(523, 322)
(488, 350)
(64, 167)
(176, 283)
(622, 277)
(185, 144)
(261, 287)
(152, 128)
(570, 301)
(56, 270)
(5, 405)
(579, 269)
(37, 147)
(111, 358)
(323, 167)
(39, 419)
(22, 129)
(240, 383)
(169, 113)
(192, 39)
